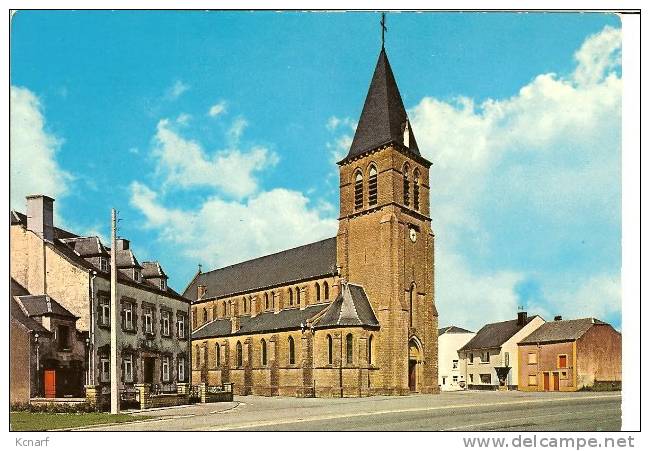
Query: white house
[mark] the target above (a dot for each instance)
(451, 369)
(495, 346)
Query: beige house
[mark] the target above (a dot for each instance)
(491, 358)
(74, 270)
(351, 315)
(451, 368)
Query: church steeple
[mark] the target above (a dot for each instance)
(383, 119)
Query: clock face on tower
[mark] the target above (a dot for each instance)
(413, 235)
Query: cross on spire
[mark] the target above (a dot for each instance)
(383, 28)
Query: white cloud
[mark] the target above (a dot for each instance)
(217, 109)
(184, 163)
(340, 145)
(183, 119)
(553, 149)
(34, 168)
(176, 90)
(221, 232)
(236, 130)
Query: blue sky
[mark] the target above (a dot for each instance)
(215, 135)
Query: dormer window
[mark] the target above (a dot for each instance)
(103, 264)
(163, 284)
(136, 275)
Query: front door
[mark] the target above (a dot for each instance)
(547, 384)
(556, 381)
(49, 380)
(412, 367)
(149, 364)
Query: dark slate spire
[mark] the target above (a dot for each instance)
(383, 118)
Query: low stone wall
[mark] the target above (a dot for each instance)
(209, 394)
(149, 401)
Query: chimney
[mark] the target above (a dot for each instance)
(522, 318)
(558, 318)
(40, 216)
(200, 291)
(122, 244)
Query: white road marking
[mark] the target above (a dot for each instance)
(409, 410)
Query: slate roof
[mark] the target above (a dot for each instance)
(563, 330)
(43, 305)
(453, 330)
(383, 116)
(350, 308)
(304, 262)
(152, 270)
(495, 334)
(87, 246)
(126, 259)
(64, 243)
(18, 314)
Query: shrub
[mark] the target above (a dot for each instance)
(51, 407)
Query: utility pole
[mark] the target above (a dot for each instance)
(115, 375)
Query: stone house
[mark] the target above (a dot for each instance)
(494, 349)
(47, 350)
(75, 271)
(351, 315)
(451, 368)
(570, 355)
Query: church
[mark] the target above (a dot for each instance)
(351, 315)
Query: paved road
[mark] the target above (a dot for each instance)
(460, 411)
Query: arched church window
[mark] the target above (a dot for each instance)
(406, 185)
(245, 307)
(292, 351)
(217, 355)
(348, 349)
(416, 190)
(272, 299)
(214, 311)
(263, 345)
(358, 191)
(266, 301)
(290, 296)
(411, 295)
(326, 290)
(205, 315)
(330, 354)
(317, 288)
(298, 296)
(240, 357)
(370, 350)
(372, 186)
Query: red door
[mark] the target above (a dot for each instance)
(49, 380)
(556, 381)
(547, 384)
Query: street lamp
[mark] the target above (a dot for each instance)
(38, 365)
(88, 364)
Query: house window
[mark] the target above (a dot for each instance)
(63, 337)
(358, 191)
(148, 320)
(240, 355)
(564, 374)
(444, 380)
(416, 190)
(532, 379)
(317, 288)
(292, 351)
(103, 264)
(486, 378)
(180, 326)
(263, 352)
(165, 323)
(562, 361)
(326, 291)
(471, 357)
(454, 379)
(370, 350)
(329, 350)
(454, 364)
(128, 316)
(372, 186)
(104, 311)
(471, 378)
(485, 356)
(532, 358)
(181, 369)
(128, 368)
(163, 284)
(165, 368)
(105, 369)
(348, 349)
(406, 185)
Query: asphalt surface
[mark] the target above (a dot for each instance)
(459, 411)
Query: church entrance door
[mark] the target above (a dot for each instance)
(415, 360)
(412, 376)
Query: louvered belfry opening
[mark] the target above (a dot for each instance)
(358, 191)
(372, 186)
(407, 193)
(416, 190)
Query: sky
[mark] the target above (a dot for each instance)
(215, 136)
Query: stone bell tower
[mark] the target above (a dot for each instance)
(385, 242)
